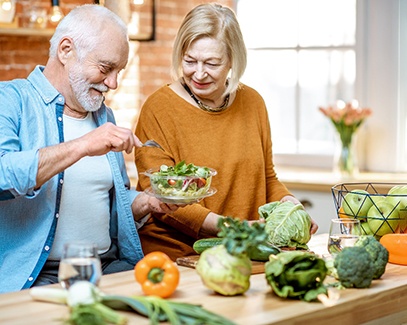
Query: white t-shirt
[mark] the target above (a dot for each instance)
(85, 207)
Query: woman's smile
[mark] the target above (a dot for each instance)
(200, 85)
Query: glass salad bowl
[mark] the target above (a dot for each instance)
(180, 184)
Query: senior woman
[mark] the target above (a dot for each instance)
(208, 118)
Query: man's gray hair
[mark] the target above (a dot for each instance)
(84, 24)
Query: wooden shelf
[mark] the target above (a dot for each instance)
(47, 32)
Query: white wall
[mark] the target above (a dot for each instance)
(381, 83)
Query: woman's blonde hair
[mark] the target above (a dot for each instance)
(218, 22)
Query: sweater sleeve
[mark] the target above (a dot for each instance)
(154, 124)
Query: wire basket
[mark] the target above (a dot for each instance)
(380, 207)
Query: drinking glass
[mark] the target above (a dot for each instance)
(343, 233)
(80, 262)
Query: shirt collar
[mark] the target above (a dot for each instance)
(41, 84)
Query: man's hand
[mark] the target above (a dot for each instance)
(105, 138)
(108, 137)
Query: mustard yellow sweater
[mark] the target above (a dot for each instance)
(235, 142)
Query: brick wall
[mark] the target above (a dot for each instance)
(149, 62)
(155, 57)
(20, 54)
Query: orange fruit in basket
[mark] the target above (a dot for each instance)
(342, 214)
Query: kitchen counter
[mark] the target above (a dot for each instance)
(308, 179)
(383, 303)
(323, 180)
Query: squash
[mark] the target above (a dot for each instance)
(396, 244)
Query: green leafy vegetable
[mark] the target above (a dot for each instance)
(182, 180)
(239, 237)
(260, 252)
(184, 169)
(84, 301)
(296, 274)
(89, 306)
(287, 224)
(226, 268)
(95, 314)
(160, 310)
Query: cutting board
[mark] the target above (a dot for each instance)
(190, 261)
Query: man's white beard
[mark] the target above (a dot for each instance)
(81, 90)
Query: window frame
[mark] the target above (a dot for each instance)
(381, 77)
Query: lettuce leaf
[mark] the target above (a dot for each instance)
(287, 224)
(297, 275)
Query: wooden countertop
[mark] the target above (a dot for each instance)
(383, 303)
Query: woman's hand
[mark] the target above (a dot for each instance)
(314, 226)
(209, 227)
(145, 204)
(290, 199)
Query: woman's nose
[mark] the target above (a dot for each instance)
(200, 72)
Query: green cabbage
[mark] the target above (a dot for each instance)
(287, 224)
(296, 274)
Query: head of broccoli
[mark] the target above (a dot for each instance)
(378, 253)
(354, 267)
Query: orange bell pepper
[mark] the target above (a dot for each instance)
(157, 274)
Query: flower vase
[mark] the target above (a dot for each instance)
(346, 159)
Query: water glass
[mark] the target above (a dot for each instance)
(343, 233)
(80, 262)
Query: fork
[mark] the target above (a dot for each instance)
(152, 143)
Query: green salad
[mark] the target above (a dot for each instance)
(181, 180)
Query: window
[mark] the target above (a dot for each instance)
(301, 55)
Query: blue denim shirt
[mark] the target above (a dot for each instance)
(31, 118)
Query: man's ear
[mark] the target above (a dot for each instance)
(65, 49)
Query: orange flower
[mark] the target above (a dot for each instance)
(346, 117)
